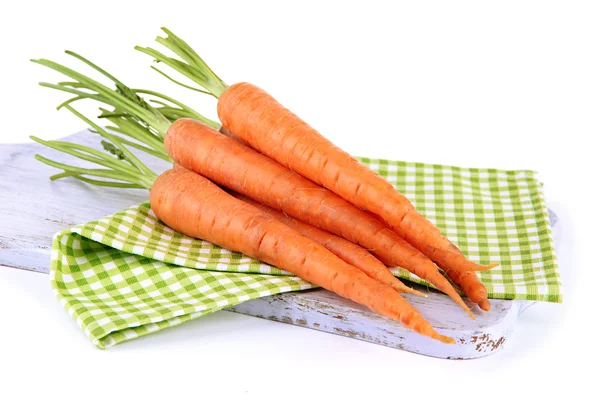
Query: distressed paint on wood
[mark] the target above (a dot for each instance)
(325, 311)
(33, 209)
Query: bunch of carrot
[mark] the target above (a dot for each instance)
(268, 185)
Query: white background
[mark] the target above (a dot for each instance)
(512, 85)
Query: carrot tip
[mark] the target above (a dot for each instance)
(416, 293)
(468, 310)
(478, 267)
(458, 300)
(485, 305)
(402, 288)
(444, 339)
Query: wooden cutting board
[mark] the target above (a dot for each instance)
(33, 209)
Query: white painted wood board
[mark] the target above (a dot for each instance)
(33, 209)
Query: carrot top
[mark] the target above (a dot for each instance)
(130, 110)
(191, 64)
(122, 169)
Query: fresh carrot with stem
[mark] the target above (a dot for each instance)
(191, 204)
(303, 199)
(264, 124)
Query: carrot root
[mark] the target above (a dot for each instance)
(193, 205)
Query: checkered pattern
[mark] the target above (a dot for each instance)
(493, 216)
(128, 275)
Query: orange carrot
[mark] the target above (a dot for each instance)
(253, 117)
(229, 163)
(264, 124)
(193, 205)
(344, 249)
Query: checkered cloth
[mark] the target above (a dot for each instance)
(128, 274)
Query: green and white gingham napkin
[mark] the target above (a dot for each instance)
(128, 275)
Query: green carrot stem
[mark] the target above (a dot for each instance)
(79, 93)
(130, 156)
(185, 51)
(193, 66)
(145, 182)
(165, 97)
(79, 151)
(96, 182)
(178, 82)
(94, 66)
(161, 155)
(125, 125)
(107, 96)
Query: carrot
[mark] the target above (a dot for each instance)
(136, 118)
(265, 125)
(191, 204)
(344, 249)
(202, 149)
(467, 281)
(259, 120)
